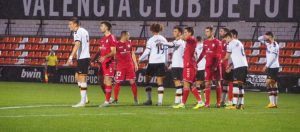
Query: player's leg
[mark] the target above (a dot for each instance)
(148, 88)
(177, 79)
(178, 95)
(108, 74)
(186, 88)
(194, 89)
(120, 76)
(200, 84)
(82, 71)
(230, 93)
(227, 89)
(224, 92)
(130, 76)
(241, 95)
(241, 80)
(185, 94)
(272, 87)
(219, 78)
(235, 91)
(134, 91)
(270, 92)
(108, 90)
(208, 78)
(160, 73)
(160, 90)
(116, 92)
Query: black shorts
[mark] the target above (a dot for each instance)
(240, 74)
(51, 69)
(177, 73)
(228, 76)
(156, 70)
(200, 76)
(272, 73)
(83, 66)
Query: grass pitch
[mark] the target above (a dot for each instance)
(37, 107)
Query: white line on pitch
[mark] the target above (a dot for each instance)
(30, 106)
(67, 115)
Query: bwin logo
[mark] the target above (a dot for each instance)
(31, 74)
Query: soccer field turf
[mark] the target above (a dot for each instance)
(47, 107)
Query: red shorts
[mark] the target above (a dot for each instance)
(127, 73)
(189, 74)
(212, 69)
(107, 69)
(218, 74)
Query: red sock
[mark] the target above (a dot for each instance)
(134, 89)
(207, 96)
(196, 94)
(186, 92)
(219, 94)
(108, 93)
(230, 90)
(116, 90)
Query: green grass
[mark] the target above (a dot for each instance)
(126, 117)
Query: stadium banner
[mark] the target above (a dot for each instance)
(21, 73)
(67, 75)
(153, 10)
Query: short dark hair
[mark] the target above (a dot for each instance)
(234, 32)
(199, 38)
(107, 24)
(210, 28)
(229, 34)
(155, 27)
(179, 29)
(124, 32)
(269, 33)
(75, 20)
(190, 30)
(225, 29)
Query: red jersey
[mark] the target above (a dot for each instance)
(106, 43)
(211, 49)
(224, 47)
(189, 52)
(124, 54)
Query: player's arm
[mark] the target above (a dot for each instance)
(96, 57)
(74, 50)
(134, 60)
(111, 54)
(146, 53)
(201, 55)
(228, 54)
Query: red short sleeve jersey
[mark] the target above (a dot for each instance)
(106, 43)
(189, 52)
(124, 54)
(212, 48)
